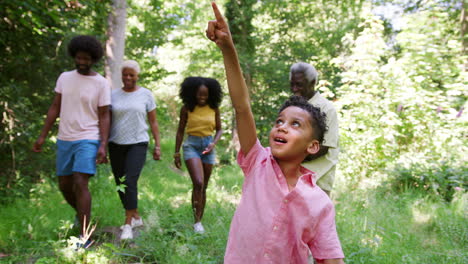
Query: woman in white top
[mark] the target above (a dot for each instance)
(128, 142)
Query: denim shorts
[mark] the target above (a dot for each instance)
(194, 146)
(76, 156)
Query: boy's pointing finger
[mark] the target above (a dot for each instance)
(218, 15)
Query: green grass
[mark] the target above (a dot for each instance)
(375, 226)
(378, 226)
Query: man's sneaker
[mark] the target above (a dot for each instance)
(137, 222)
(127, 232)
(198, 228)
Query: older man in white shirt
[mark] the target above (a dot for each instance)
(303, 78)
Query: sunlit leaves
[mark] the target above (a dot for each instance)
(400, 109)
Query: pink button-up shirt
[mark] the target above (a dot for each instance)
(274, 225)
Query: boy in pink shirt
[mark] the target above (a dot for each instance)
(282, 213)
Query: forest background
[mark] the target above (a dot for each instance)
(396, 72)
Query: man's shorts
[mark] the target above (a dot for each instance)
(76, 156)
(194, 146)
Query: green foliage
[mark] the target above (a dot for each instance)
(121, 187)
(401, 109)
(436, 178)
(290, 31)
(148, 25)
(269, 40)
(240, 15)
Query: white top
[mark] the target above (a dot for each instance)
(81, 97)
(129, 115)
(325, 166)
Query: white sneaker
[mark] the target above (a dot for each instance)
(137, 222)
(126, 232)
(134, 223)
(198, 228)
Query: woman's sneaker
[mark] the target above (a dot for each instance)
(198, 228)
(127, 232)
(134, 223)
(137, 222)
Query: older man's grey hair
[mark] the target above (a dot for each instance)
(131, 64)
(308, 70)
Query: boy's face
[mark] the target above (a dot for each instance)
(291, 138)
(83, 62)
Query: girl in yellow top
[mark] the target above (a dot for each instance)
(200, 115)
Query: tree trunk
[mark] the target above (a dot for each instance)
(8, 124)
(464, 29)
(115, 44)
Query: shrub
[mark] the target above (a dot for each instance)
(440, 179)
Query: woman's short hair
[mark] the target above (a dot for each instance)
(132, 65)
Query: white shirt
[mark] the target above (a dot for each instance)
(129, 115)
(325, 166)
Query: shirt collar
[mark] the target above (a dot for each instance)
(308, 176)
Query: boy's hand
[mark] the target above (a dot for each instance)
(218, 30)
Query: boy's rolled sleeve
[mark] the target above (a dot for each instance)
(326, 244)
(247, 162)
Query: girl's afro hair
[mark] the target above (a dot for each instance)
(189, 88)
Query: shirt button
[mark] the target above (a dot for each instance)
(285, 200)
(275, 228)
(265, 255)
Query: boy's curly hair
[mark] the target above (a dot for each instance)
(88, 44)
(317, 117)
(189, 88)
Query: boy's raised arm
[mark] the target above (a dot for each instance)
(218, 32)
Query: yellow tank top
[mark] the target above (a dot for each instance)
(201, 122)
